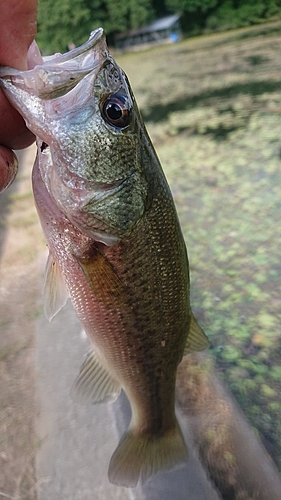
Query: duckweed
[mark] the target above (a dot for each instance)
(275, 373)
(267, 391)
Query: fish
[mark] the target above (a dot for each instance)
(115, 246)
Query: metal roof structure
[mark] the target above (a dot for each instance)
(166, 28)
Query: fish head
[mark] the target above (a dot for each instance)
(81, 108)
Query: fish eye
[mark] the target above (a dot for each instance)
(116, 110)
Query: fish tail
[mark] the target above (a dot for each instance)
(140, 457)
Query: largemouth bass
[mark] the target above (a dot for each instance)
(115, 244)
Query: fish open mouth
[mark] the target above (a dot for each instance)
(61, 72)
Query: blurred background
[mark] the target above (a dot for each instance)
(207, 78)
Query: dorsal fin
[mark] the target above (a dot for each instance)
(196, 339)
(55, 292)
(94, 383)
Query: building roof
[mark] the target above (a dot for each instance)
(158, 25)
(162, 23)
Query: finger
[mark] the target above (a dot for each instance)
(18, 29)
(8, 167)
(13, 132)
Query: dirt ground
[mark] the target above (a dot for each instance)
(21, 242)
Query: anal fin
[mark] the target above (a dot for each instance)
(196, 339)
(94, 384)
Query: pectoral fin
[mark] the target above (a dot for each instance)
(55, 292)
(102, 279)
(196, 339)
(94, 384)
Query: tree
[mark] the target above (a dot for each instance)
(223, 14)
(192, 5)
(194, 13)
(61, 22)
(130, 14)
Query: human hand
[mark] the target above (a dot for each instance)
(18, 29)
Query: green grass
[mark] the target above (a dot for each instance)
(24, 222)
(213, 109)
(21, 196)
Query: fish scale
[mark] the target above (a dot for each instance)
(116, 246)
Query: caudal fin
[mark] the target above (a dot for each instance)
(139, 457)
